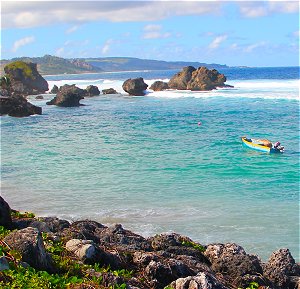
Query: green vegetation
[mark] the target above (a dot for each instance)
(27, 71)
(19, 215)
(193, 245)
(252, 285)
(70, 272)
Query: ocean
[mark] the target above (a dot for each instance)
(168, 161)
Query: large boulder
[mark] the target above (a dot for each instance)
(206, 79)
(109, 91)
(68, 96)
(159, 86)
(17, 106)
(181, 79)
(236, 266)
(25, 79)
(200, 79)
(92, 90)
(29, 243)
(54, 89)
(5, 214)
(135, 86)
(281, 269)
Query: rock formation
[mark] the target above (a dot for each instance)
(92, 90)
(68, 96)
(25, 79)
(135, 86)
(200, 79)
(159, 86)
(17, 106)
(109, 91)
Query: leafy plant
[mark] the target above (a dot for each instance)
(252, 285)
(193, 245)
(19, 215)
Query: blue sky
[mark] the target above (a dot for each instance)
(252, 33)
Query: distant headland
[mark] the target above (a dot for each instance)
(49, 64)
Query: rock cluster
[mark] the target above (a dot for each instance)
(163, 260)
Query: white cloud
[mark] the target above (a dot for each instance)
(60, 51)
(296, 34)
(153, 31)
(254, 46)
(106, 47)
(22, 42)
(217, 41)
(72, 29)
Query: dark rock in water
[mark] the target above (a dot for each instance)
(5, 214)
(135, 86)
(280, 268)
(39, 97)
(92, 90)
(68, 96)
(159, 86)
(201, 79)
(54, 89)
(181, 79)
(25, 79)
(18, 106)
(109, 91)
(29, 243)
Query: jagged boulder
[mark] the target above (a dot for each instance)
(68, 96)
(238, 267)
(5, 214)
(181, 79)
(201, 79)
(25, 79)
(159, 86)
(29, 243)
(109, 91)
(135, 86)
(17, 106)
(54, 89)
(92, 90)
(282, 269)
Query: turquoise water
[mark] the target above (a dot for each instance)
(146, 163)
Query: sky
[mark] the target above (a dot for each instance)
(235, 33)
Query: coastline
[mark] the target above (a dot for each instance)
(164, 260)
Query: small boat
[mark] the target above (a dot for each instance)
(262, 145)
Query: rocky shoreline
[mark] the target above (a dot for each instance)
(87, 254)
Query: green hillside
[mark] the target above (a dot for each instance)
(56, 65)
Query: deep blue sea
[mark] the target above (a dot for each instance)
(145, 162)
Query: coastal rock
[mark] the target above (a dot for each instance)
(84, 229)
(68, 96)
(206, 79)
(181, 79)
(17, 106)
(39, 97)
(234, 263)
(83, 249)
(109, 91)
(25, 79)
(124, 239)
(159, 86)
(54, 89)
(135, 86)
(281, 268)
(200, 281)
(29, 243)
(92, 90)
(54, 224)
(201, 79)
(5, 214)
